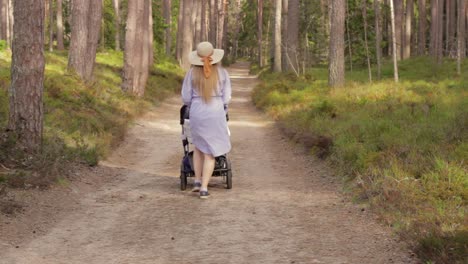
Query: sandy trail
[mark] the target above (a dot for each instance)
(283, 208)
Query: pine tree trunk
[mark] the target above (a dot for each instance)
(129, 78)
(394, 42)
(180, 31)
(27, 74)
(204, 28)
(3, 19)
(60, 45)
(236, 28)
(378, 37)
(116, 5)
(146, 49)
(225, 27)
(277, 50)
(150, 39)
(11, 22)
(434, 31)
(168, 21)
(51, 25)
(350, 42)
(260, 32)
(284, 35)
(102, 36)
(440, 40)
(220, 31)
(213, 18)
(398, 5)
(451, 27)
(196, 14)
(366, 45)
(293, 36)
(79, 37)
(407, 35)
(94, 23)
(187, 40)
(86, 22)
(138, 56)
(422, 27)
(336, 66)
(9, 25)
(461, 33)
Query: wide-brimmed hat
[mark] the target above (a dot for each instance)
(205, 49)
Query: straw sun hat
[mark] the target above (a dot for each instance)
(205, 49)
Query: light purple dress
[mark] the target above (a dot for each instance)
(208, 123)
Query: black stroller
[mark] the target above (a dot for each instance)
(222, 163)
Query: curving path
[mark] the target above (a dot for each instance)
(284, 206)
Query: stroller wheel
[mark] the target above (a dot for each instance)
(183, 181)
(229, 180)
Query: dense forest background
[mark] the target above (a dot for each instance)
(377, 87)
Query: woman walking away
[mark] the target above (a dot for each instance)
(207, 91)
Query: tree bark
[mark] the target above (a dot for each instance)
(196, 17)
(180, 23)
(213, 18)
(461, 33)
(9, 22)
(220, 31)
(27, 74)
(167, 5)
(395, 49)
(277, 50)
(378, 37)
(138, 54)
(398, 6)
(3, 19)
(366, 45)
(260, 32)
(204, 24)
(350, 42)
(150, 39)
(86, 23)
(51, 25)
(146, 48)
(116, 5)
(407, 35)
(187, 40)
(293, 35)
(236, 28)
(422, 27)
(226, 28)
(451, 27)
(436, 30)
(336, 66)
(284, 34)
(60, 45)
(131, 44)
(102, 40)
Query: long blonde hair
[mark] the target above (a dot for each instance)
(205, 87)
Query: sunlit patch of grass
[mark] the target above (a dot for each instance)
(402, 146)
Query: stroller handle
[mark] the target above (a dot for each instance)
(185, 113)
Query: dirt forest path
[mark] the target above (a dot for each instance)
(285, 207)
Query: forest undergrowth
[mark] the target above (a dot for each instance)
(82, 121)
(402, 147)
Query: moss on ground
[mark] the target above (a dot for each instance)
(402, 147)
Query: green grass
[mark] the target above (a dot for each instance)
(401, 147)
(84, 120)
